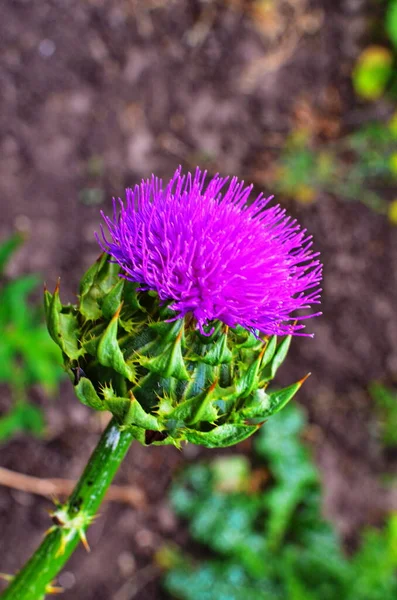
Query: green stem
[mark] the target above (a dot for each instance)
(71, 520)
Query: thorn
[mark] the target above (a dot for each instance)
(83, 540)
(54, 589)
(257, 425)
(49, 531)
(94, 518)
(57, 503)
(213, 386)
(118, 311)
(302, 381)
(6, 577)
(262, 352)
(56, 291)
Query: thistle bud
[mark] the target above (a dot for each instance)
(175, 331)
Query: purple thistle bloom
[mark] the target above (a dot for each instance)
(210, 253)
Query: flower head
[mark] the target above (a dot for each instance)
(208, 251)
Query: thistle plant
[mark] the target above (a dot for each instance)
(176, 332)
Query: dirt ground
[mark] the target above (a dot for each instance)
(96, 95)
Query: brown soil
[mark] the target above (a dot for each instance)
(95, 96)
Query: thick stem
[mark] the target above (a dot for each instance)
(71, 520)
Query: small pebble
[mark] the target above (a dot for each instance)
(67, 580)
(126, 563)
(47, 48)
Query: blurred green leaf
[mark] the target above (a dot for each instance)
(7, 249)
(353, 167)
(374, 566)
(28, 356)
(13, 305)
(272, 544)
(231, 473)
(386, 403)
(391, 21)
(24, 417)
(372, 72)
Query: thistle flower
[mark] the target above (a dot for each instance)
(206, 250)
(183, 261)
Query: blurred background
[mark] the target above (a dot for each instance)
(298, 97)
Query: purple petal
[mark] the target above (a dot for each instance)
(210, 252)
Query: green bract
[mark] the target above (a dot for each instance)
(162, 379)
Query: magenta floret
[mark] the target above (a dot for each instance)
(213, 254)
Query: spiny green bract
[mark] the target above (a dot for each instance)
(163, 379)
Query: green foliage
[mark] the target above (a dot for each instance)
(8, 248)
(27, 354)
(391, 22)
(352, 168)
(24, 416)
(372, 72)
(386, 405)
(375, 71)
(271, 544)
